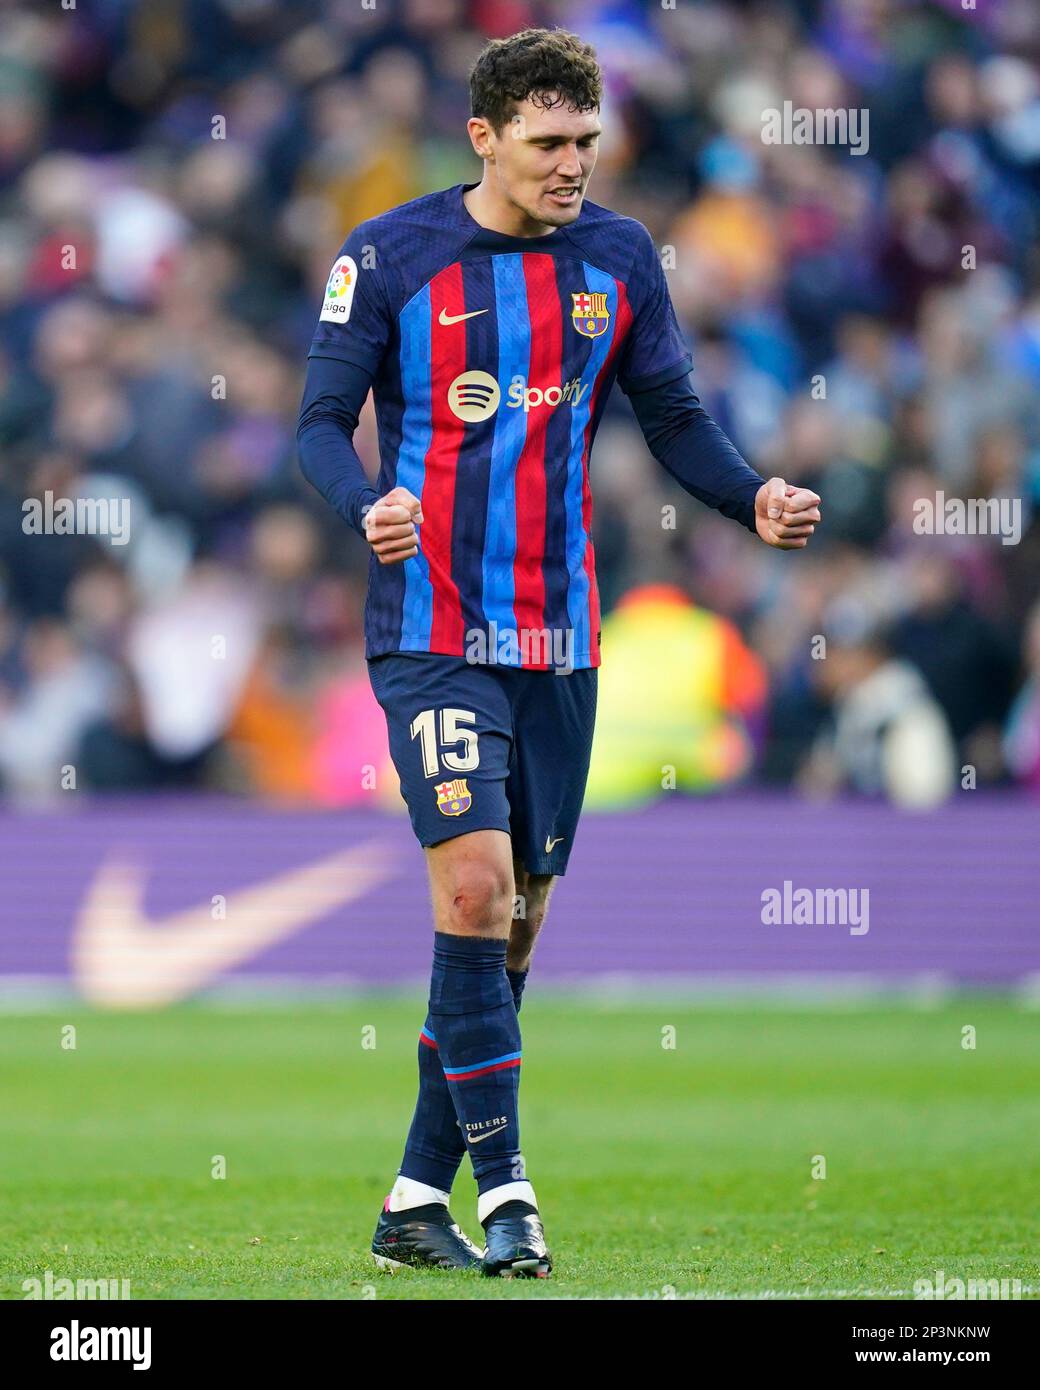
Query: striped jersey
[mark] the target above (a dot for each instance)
(492, 357)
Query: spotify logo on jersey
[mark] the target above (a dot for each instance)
(474, 396)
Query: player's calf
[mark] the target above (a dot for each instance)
(531, 898)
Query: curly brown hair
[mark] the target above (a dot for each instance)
(535, 63)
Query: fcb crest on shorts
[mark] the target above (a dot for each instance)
(589, 313)
(453, 798)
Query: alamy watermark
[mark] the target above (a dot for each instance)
(829, 907)
(79, 1342)
(953, 1289)
(973, 516)
(51, 1288)
(798, 125)
(77, 516)
(525, 646)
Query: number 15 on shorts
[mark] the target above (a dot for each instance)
(452, 733)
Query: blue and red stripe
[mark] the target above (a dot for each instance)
(574, 350)
(503, 1063)
(505, 539)
(622, 322)
(514, 361)
(583, 599)
(472, 472)
(416, 433)
(448, 352)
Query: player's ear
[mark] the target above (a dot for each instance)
(480, 136)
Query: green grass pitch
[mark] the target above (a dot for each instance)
(661, 1172)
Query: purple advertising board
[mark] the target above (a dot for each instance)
(138, 903)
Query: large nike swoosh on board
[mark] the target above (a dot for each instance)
(121, 958)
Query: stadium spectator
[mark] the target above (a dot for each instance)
(171, 196)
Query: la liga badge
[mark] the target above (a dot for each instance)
(339, 292)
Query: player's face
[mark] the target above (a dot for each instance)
(544, 160)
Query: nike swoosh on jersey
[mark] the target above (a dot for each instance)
(551, 844)
(446, 320)
(122, 958)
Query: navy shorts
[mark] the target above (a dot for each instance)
(489, 748)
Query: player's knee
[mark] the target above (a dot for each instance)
(479, 898)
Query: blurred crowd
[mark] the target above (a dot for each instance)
(176, 177)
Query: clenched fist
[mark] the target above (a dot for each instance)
(786, 516)
(390, 526)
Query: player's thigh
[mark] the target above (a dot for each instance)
(450, 734)
(553, 721)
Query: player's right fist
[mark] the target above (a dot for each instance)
(390, 526)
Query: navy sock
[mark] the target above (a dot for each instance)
(435, 1146)
(478, 1036)
(517, 979)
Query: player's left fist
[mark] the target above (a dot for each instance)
(390, 526)
(786, 516)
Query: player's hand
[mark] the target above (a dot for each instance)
(786, 516)
(390, 526)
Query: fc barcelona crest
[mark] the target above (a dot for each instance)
(453, 798)
(589, 313)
